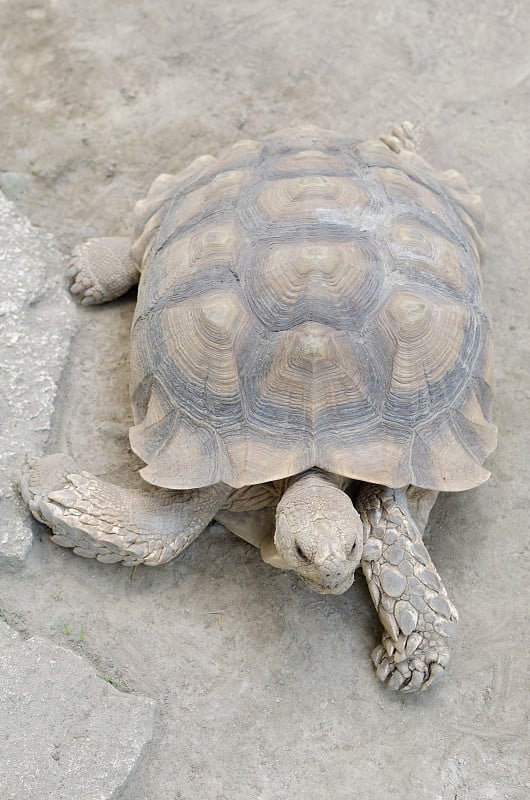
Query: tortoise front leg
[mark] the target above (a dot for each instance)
(413, 606)
(101, 270)
(104, 521)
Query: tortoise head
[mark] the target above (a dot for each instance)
(319, 534)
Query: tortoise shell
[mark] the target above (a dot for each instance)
(310, 300)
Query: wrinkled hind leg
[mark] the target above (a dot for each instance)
(403, 136)
(101, 270)
(104, 521)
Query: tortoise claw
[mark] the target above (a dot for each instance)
(421, 663)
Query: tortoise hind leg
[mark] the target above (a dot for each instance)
(107, 522)
(403, 136)
(101, 270)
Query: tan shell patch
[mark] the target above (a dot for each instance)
(309, 198)
(410, 326)
(419, 250)
(311, 162)
(240, 154)
(200, 250)
(322, 281)
(313, 368)
(222, 190)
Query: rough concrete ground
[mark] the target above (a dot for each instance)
(264, 689)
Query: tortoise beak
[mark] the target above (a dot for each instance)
(338, 588)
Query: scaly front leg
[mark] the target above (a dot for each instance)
(107, 522)
(412, 604)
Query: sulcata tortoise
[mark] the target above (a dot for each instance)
(310, 365)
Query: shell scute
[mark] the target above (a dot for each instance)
(211, 200)
(427, 370)
(309, 162)
(332, 283)
(426, 256)
(310, 198)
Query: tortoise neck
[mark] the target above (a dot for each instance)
(321, 476)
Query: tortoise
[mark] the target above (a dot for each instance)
(310, 366)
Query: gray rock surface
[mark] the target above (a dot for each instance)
(13, 184)
(65, 732)
(36, 325)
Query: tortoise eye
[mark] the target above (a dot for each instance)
(301, 555)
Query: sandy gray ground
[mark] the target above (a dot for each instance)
(264, 689)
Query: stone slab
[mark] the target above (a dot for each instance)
(36, 325)
(65, 732)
